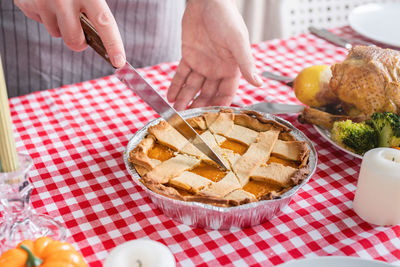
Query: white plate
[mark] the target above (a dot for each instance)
(378, 22)
(327, 136)
(335, 261)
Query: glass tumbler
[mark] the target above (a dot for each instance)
(19, 221)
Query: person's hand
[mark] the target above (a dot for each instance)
(61, 19)
(215, 49)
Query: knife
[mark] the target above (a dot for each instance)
(337, 40)
(276, 108)
(328, 36)
(134, 81)
(276, 77)
(350, 41)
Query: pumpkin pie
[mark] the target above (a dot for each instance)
(264, 158)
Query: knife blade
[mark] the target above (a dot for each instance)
(276, 108)
(285, 79)
(328, 36)
(134, 81)
(350, 41)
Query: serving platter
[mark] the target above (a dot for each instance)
(215, 217)
(327, 136)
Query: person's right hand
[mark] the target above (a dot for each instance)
(61, 19)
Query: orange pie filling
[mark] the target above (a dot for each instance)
(160, 152)
(257, 188)
(208, 171)
(235, 146)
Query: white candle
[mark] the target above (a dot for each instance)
(140, 253)
(377, 198)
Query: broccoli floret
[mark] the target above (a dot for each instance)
(356, 137)
(388, 126)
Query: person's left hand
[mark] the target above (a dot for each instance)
(215, 49)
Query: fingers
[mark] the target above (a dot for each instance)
(178, 81)
(193, 84)
(102, 19)
(70, 27)
(226, 92)
(26, 7)
(242, 53)
(186, 84)
(208, 91)
(61, 18)
(217, 92)
(48, 18)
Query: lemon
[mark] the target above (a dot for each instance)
(311, 86)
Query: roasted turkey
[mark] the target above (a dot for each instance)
(368, 81)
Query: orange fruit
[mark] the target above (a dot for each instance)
(311, 86)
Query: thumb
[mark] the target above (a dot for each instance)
(245, 60)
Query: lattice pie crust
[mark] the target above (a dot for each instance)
(265, 159)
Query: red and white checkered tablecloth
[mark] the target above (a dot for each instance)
(77, 135)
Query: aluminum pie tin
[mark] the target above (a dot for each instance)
(213, 217)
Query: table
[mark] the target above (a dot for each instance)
(77, 135)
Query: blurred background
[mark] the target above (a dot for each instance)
(268, 19)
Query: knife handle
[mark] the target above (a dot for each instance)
(92, 38)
